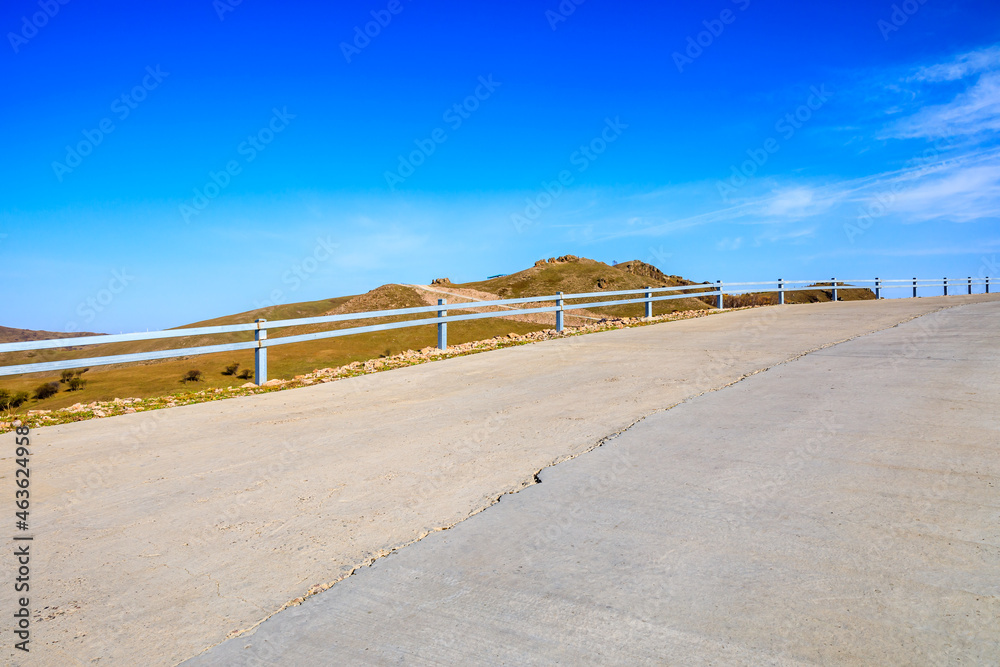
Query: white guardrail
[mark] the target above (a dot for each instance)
(260, 327)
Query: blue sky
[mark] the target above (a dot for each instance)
(167, 162)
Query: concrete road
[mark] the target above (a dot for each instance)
(160, 534)
(839, 509)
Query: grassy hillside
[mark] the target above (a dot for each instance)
(575, 275)
(822, 294)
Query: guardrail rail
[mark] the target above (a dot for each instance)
(560, 304)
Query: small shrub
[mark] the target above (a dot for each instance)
(192, 376)
(751, 299)
(10, 401)
(245, 374)
(66, 375)
(46, 390)
(231, 369)
(81, 371)
(75, 383)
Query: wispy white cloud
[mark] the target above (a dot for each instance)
(953, 186)
(730, 243)
(783, 234)
(961, 66)
(793, 200)
(963, 194)
(973, 111)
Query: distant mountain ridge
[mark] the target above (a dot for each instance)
(11, 335)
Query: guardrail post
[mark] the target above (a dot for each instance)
(781, 292)
(833, 282)
(987, 284)
(970, 284)
(721, 304)
(260, 354)
(946, 286)
(914, 288)
(878, 288)
(442, 327)
(649, 302)
(559, 313)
